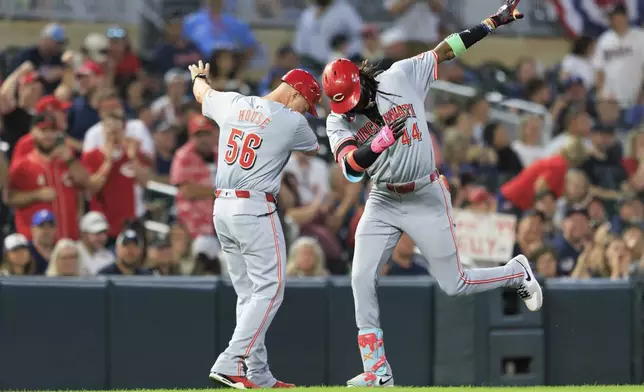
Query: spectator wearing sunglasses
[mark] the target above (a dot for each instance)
(122, 63)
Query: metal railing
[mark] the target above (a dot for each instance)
(507, 111)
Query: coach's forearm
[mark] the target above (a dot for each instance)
(200, 88)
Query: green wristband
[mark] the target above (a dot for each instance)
(456, 43)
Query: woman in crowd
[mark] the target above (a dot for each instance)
(633, 157)
(495, 135)
(17, 260)
(65, 260)
(306, 258)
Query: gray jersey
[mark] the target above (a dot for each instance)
(255, 140)
(412, 156)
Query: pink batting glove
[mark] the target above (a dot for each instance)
(383, 140)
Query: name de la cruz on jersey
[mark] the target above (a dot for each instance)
(368, 130)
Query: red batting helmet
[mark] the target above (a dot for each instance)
(341, 81)
(305, 84)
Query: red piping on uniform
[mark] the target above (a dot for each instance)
(279, 287)
(458, 259)
(435, 65)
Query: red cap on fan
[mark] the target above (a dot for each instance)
(304, 83)
(341, 81)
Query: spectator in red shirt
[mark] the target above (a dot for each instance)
(193, 172)
(122, 63)
(518, 194)
(116, 168)
(51, 106)
(49, 177)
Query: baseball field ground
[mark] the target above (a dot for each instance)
(593, 388)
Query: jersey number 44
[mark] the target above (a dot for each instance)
(242, 148)
(415, 135)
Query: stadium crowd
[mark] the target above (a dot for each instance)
(86, 132)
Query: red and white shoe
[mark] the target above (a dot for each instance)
(236, 382)
(282, 384)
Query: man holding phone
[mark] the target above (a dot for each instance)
(48, 177)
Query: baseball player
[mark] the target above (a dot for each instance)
(408, 194)
(256, 138)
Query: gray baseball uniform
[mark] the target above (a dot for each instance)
(425, 213)
(256, 139)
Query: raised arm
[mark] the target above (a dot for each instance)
(456, 44)
(199, 74)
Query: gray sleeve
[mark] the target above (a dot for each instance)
(216, 105)
(304, 138)
(421, 71)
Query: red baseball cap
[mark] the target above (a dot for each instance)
(304, 83)
(89, 68)
(51, 103)
(341, 81)
(198, 123)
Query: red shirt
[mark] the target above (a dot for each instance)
(520, 190)
(32, 172)
(116, 200)
(130, 65)
(629, 164)
(188, 166)
(24, 146)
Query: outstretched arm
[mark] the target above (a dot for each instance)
(456, 44)
(199, 74)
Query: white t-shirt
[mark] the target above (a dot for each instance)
(312, 180)
(163, 109)
(528, 154)
(136, 129)
(417, 23)
(313, 33)
(93, 263)
(559, 142)
(582, 67)
(621, 58)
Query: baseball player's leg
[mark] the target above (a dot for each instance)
(375, 240)
(263, 247)
(433, 233)
(227, 363)
(256, 363)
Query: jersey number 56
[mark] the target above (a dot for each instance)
(242, 148)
